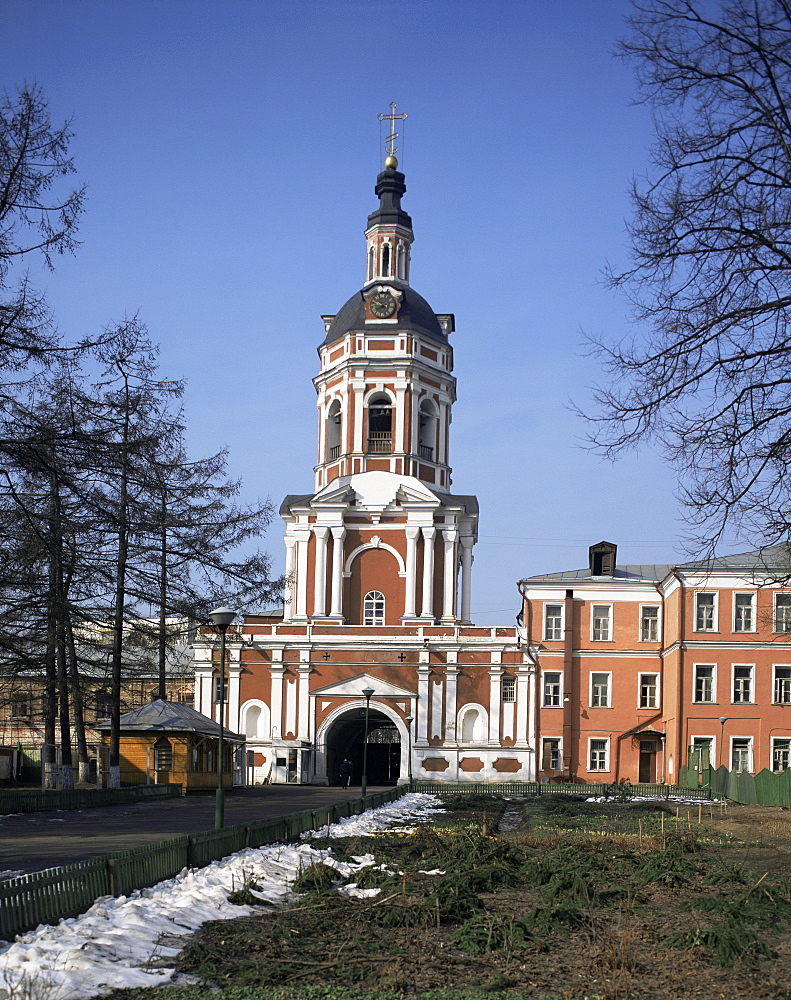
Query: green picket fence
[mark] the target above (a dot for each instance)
(33, 800)
(531, 788)
(766, 788)
(46, 896)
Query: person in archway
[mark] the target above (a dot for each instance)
(345, 771)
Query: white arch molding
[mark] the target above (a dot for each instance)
(378, 544)
(480, 727)
(337, 713)
(262, 719)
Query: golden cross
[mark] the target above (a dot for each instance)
(392, 117)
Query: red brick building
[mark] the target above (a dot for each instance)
(641, 667)
(379, 559)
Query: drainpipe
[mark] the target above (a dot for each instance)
(569, 685)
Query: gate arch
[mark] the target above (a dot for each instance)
(343, 729)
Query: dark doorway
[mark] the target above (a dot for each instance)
(647, 772)
(345, 739)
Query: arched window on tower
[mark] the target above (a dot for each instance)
(380, 422)
(371, 260)
(401, 262)
(334, 431)
(374, 608)
(385, 260)
(427, 430)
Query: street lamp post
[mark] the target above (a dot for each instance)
(409, 720)
(723, 720)
(367, 692)
(222, 618)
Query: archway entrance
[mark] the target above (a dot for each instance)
(345, 740)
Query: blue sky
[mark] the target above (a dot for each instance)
(230, 150)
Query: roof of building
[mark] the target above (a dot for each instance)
(170, 716)
(772, 560)
(414, 313)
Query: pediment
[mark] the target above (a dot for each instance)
(352, 687)
(378, 491)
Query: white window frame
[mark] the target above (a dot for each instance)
(508, 690)
(750, 679)
(600, 673)
(697, 744)
(704, 701)
(544, 702)
(749, 741)
(786, 700)
(787, 750)
(374, 598)
(609, 622)
(605, 750)
(775, 620)
(559, 748)
(751, 595)
(554, 604)
(657, 702)
(714, 610)
(657, 621)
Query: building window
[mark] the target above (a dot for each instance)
(744, 612)
(334, 431)
(370, 263)
(782, 612)
(741, 753)
(702, 752)
(598, 755)
(552, 755)
(552, 689)
(217, 690)
(600, 691)
(742, 685)
(649, 684)
(380, 417)
(104, 706)
(600, 615)
(782, 685)
(21, 706)
(553, 622)
(649, 623)
(781, 753)
(705, 617)
(704, 683)
(508, 689)
(385, 260)
(374, 608)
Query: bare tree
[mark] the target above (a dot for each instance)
(707, 374)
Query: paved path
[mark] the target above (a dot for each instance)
(32, 841)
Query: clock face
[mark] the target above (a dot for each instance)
(383, 305)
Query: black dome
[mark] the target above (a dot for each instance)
(414, 314)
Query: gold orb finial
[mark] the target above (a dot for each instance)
(391, 163)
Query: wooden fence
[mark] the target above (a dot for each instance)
(612, 791)
(766, 788)
(80, 798)
(46, 896)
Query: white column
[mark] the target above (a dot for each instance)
(320, 571)
(524, 715)
(302, 572)
(442, 448)
(303, 699)
(466, 575)
(291, 583)
(359, 413)
(410, 583)
(338, 535)
(449, 574)
(427, 611)
(421, 726)
(234, 667)
(400, 443)
(276, 697)
(495, 674)
(451, 679)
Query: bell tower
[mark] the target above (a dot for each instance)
(383, 521)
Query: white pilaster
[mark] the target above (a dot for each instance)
(233, 656)
(303, 534)
(525, 714)
(466, 576)
(421, 724)
(359, 412)
(338, 535)
(400, 443)
(303, 696)
(410, 584)
(320, 571)
(495, 673)
(276, 697)
(288, 596)
(451, 684)
(449, 575)
(427, 611)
